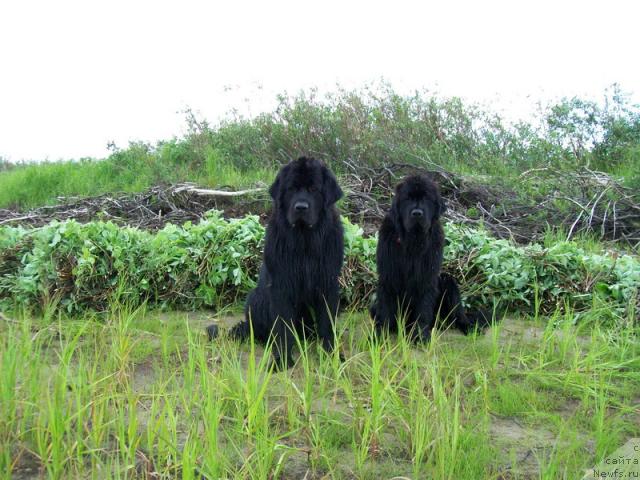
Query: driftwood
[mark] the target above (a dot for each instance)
(191, 188)
(16, 219)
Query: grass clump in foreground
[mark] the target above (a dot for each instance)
(132, 394)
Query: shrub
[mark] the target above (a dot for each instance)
(216, 262)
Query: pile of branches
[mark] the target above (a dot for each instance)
(149, 210)
(592, 201)
(582, 201)
(370, 191)
(579, 201)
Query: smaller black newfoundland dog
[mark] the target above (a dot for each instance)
(298, 284)
(409, 259)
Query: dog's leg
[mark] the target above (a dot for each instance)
(452, 310)
(283, 340)
(449, 305)
(384, 312)
(326, 313)
(256, 315)
(422, 319)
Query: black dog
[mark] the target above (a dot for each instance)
(298, 283)
(409, 258)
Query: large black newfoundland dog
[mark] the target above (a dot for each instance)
(298, 284)
(409, 258)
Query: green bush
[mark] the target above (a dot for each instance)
(363, 128)
(215, 263)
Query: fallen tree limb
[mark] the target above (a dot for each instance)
(16, 219)
(216, 193)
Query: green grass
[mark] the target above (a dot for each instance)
(132, 170)
(137, 394)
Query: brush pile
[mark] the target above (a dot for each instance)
(580, 202)
(149, 210)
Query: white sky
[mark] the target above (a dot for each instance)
(77, 74)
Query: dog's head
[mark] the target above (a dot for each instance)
(303, 190)
(417, 204)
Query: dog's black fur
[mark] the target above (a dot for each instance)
(298, 283)
(409, 258)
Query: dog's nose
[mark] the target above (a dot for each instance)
(301, 206)
(417, 212)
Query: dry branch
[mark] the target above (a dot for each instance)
(216, 193)
(583, 201)
(595, 202)
(151, 209)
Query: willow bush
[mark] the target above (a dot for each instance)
(215, 263)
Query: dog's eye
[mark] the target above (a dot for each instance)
(313, 189)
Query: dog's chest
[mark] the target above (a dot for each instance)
(307, 261)
(411, 267)
(415, 270)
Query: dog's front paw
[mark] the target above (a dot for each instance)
(212, 331)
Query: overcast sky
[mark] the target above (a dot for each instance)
(75, 75)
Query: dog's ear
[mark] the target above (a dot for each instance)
(330, 188)
(274, 189)
(394, 211)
